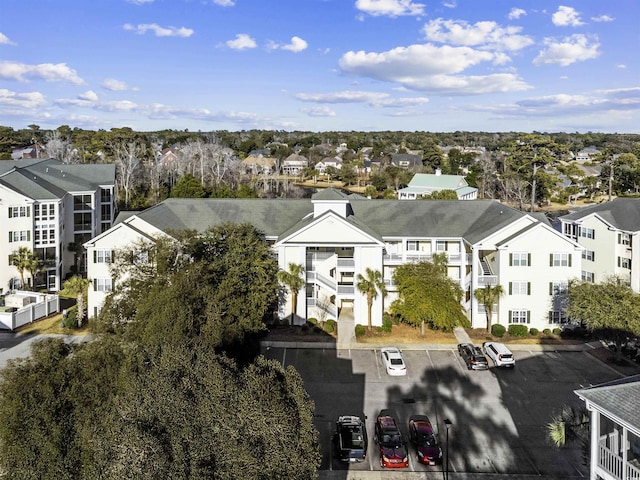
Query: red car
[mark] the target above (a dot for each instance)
(424, 439)
(393, 450)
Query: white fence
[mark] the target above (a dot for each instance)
(39, 306)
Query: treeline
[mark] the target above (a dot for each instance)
(523, 169)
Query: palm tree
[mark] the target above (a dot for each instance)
(570, 425)
(489, 296)
(369, 286)
(24, 259)
(292, 278)
(77, 286)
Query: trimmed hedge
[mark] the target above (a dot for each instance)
(312, 321)
(498, 330)
(557, 331)
(360, 330)
(547, 331)
(534, 331)
(330, 325)
(516, 330)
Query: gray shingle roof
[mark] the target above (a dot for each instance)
(620, 398)
(472, 220)
(622, 213)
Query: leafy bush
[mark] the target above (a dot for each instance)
(387, 325)
(70, 319)
(516, 330)
(557, 331)
(534, 331)
(498, 330)
(360, 330)
(379, 329)
(312, 321)
(547, 331)
(304, 328)
(330, 325)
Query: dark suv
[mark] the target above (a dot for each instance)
(473, 356)
(350, 439)
(393, 450)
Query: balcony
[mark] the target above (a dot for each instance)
(615, 466)
(346, 263)
(484, 280)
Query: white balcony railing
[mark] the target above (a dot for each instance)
(610, 462)
(346, 262)
(484, 280)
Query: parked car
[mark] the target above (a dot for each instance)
(393, 449)
(473, 356)
(499, 354)
(424, 439)
(393, 361)
(350, 439)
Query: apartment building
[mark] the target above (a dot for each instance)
(609, 234)
(337, 236)
(52, 209)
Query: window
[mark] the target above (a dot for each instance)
(20, 236)
(587, 232)
(624, 262)
(105, 195)
(412, 245)
(587, 276)
(560, 260)
(520, 259)
(589, 255)
(82, 221)
(624, 239)
(558, 317)
(102, 256)
(23, 211)
(102, 285)
(441, 246)
(519, 288)
(81, 202)
(519, 316)
(558, 288)
(105, 213)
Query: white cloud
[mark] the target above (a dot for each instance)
(242, 42)
(390, 8)
(159, 31)
(140, 2)
(516, 13)
(566, 16)
(116, 85)
(296, 45)
(50, 72)
(21, 100)
(487, 34)
(224, 3)
(603, 18)
(319, 112)
(449, 4)
(4, 40)
(430, 68)
(621, 65)
(89, 96)
(575, 48)
(374, 99)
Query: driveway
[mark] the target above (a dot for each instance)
(498, 416)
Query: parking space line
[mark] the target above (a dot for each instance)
(432, 364)
(375, 354)
(284, 356)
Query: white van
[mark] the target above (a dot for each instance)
(499, 353)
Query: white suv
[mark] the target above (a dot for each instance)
(499, 353)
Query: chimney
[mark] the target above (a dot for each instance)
(438, 172)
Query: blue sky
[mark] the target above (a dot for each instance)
(319, 65)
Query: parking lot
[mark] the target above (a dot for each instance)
(498, 416)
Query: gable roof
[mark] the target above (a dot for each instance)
(620, 399)
(440, 182)
(622, 213)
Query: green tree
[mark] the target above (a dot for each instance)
(610, 309)
(441, 195)
(77, 286)
(188, 187)
(370, 284)
(24, 260)
(293, 280)
(427, 296)
(489, 296)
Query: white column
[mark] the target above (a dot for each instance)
(595, 438)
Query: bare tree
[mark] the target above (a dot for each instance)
(60, 148)
(128, 160)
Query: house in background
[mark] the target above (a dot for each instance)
(257, 165)
(52, 208)
(407, 161)
(608, 232)
(20, 153)
(336, 237)
(426, 183)
(334, 162)
(614, 423)
(589, 154)
(294, 164)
